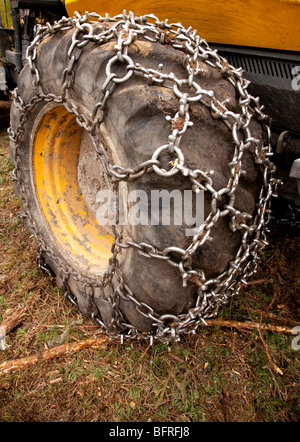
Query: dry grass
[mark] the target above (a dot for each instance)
(220, 374)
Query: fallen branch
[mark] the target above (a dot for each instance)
(52, 353)
(14, 318)
(250, 325)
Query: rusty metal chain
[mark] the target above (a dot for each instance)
(124, 29)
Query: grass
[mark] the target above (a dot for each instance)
(219, 374)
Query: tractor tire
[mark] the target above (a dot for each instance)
(89, 114)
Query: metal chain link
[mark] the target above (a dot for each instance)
(124, 30)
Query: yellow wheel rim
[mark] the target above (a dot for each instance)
(69, 220)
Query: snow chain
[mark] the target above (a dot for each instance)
(124, 30)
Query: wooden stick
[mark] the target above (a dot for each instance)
(13, 319)
(46, 355)
(250, 325)
(272, 363)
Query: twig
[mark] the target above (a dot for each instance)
(272, 363)
(52, 353)
(14, 318)
(249, 325)
(257, 281)
(176, 358)
(145, 352)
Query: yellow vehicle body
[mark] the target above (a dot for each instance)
(270, 24)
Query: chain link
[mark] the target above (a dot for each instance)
(124, 30)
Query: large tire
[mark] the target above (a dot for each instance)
(84, 104)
